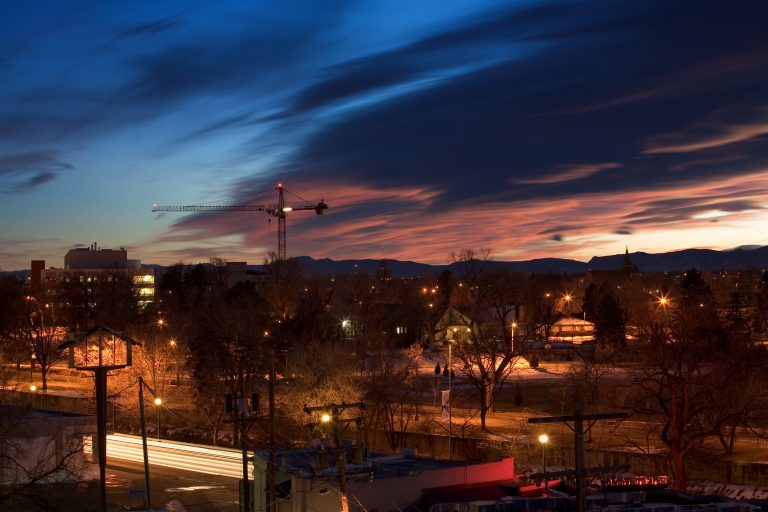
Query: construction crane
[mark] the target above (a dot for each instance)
(279, 210)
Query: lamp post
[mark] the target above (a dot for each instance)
(177, 359)
(568, 298)
(158, 403)
(100, 350)
(144, 442)
(543, 440)
(450, 411)
(344, 328)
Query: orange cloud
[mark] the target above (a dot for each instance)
(408, 224)
(568, 173)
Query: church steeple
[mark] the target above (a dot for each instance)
(627, 265)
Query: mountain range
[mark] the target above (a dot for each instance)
(742, 258)
(706, 260)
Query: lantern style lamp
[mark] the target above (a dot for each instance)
(100, 350)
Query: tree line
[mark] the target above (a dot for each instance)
(690, 344)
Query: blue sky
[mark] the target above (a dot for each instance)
(563, 128)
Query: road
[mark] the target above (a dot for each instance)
(198, 478)
(209, 460)
(172, 489)
(505, 421)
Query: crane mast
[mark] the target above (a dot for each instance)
(278, 210)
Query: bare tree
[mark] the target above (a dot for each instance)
(487, 301)
(391, 382)
(322, 373)
(43, 334)
(14, 316)
(690, 374)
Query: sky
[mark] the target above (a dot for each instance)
(534, 128)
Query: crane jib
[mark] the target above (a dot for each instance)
(280, 210)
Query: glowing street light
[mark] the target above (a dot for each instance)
(325, 418)
(345, 328)
(100, 350)
(33, 388)
(543, 441)
(158, 403)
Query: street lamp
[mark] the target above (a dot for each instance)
(543, 440)
(344, 328)
(568, 298)
(100, 350)
(158, 403)
(512, 329)
(447, 399)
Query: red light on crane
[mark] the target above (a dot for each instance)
(279, 185)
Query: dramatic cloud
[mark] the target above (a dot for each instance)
(25, 171)
(568, 173)
(722, 128)
(568, 126)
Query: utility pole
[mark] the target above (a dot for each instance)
(272, 469)
(333, 412)
(581, 470)
(450, 407)
(100, 374)
(242, 417)
(238, 407)
(144, 443)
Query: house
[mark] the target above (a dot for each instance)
(306, 481)
(453, 326)
(36, 442)
(572, 330)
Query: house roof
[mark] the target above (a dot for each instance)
(99, 329)
(570, 320)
